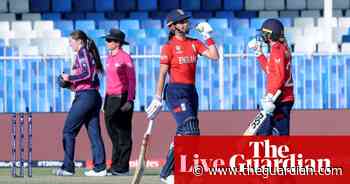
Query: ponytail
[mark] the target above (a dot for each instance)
(90, 46)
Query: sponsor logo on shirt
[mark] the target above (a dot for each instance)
(187, 59)
(178, 49)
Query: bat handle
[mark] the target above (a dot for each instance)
(149, 129)
(277, 94)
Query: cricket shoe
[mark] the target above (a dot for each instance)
(61, 172)
(115, 173)
(94, 173)
(168, 180)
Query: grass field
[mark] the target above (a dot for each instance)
(44, 176)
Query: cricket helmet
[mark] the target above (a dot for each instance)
(176, 16)
(273, 29)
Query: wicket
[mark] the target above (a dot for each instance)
(21, 117)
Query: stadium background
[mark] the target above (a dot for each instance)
(34, 50)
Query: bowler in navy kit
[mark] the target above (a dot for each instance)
(86, 106)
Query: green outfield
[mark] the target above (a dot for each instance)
(44, 176)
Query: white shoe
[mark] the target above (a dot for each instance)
(94, 173)
(168, 180)
(61, 172)
(114, 173)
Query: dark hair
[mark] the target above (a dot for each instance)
(171, 33)
(284, 41)
(90, 46)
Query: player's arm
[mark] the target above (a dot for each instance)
(85, 68)
(130, 72)
(256, 46)
(211, 51)
(165, 60)
(156, 105)
(276, 76)
(275, 80)
(262, 60)
(163, 70)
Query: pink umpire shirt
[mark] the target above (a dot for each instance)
(120, 75)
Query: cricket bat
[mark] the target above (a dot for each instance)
(259, 119)
(141, 160)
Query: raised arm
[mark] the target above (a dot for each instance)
(211, 52)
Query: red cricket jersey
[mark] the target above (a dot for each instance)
(181, 56)
(278, 71)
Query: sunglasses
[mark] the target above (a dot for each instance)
(110, 40)
(183, 21)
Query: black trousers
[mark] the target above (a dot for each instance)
(119, 125)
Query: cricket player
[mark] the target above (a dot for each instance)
(178, 59)
(85, 110)
(279, 77)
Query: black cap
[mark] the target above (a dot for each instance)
(176, 16)
(117, 35)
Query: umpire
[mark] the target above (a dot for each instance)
(119, 105)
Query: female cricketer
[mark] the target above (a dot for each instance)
(178, 59)
(86, 106)
(279, 77)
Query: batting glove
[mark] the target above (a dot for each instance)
(267, 104)
(256, 46)
(204, 29)
(154, 108)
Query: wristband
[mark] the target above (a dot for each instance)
(210, 42)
